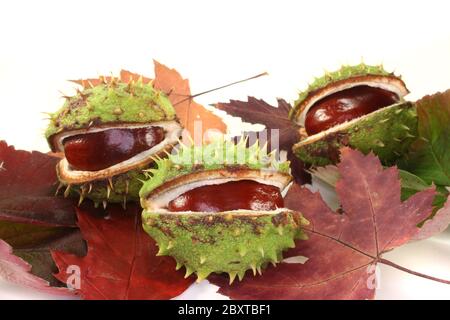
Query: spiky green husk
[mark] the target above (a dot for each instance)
(217, 155)
(229, 242)
(121, 188)
(387, 132)
(345, 72)
(112, 102)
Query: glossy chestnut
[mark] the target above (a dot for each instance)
(99, 150)
(244, 194)
(346, 105)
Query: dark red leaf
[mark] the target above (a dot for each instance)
(258, 111)
(274, 118)
(121, 261)
(378, 220)
(32, 220)
(280, 132)
(301, 176)
(28, 182)
(342, 249)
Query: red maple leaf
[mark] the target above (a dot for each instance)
(121, 262)
(342, 249)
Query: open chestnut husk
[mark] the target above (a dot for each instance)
(109, 133)
(359, 106)
(215, 216)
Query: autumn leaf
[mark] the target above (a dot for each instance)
(16, 270)
(280, 132)
(437, 224)
(121, 261)
(32, 220)
(410, 183)
(33, 242)
(343, 249)
(28, 182)
(274, 118)
(127, 76)
(188, 111)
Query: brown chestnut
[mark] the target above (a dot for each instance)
(346, 105)
(233, 195)
(99, 150)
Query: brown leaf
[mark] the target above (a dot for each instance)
(88, 83)
(279, 128)
(258, 111)
(274, 118)
(127, 76)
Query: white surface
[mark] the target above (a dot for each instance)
(43, 43)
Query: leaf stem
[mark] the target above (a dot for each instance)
(418, 274)
(222, 87)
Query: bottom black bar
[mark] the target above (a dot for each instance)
(213, 309)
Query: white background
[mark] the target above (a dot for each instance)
(44, 43)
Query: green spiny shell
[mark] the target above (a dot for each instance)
(210, 157)
(121, 188)
(231, 242)
(109, 103)
(387, 132)
(113, 102)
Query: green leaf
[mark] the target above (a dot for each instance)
(411, 184)
(429, 157)
(441, 197)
